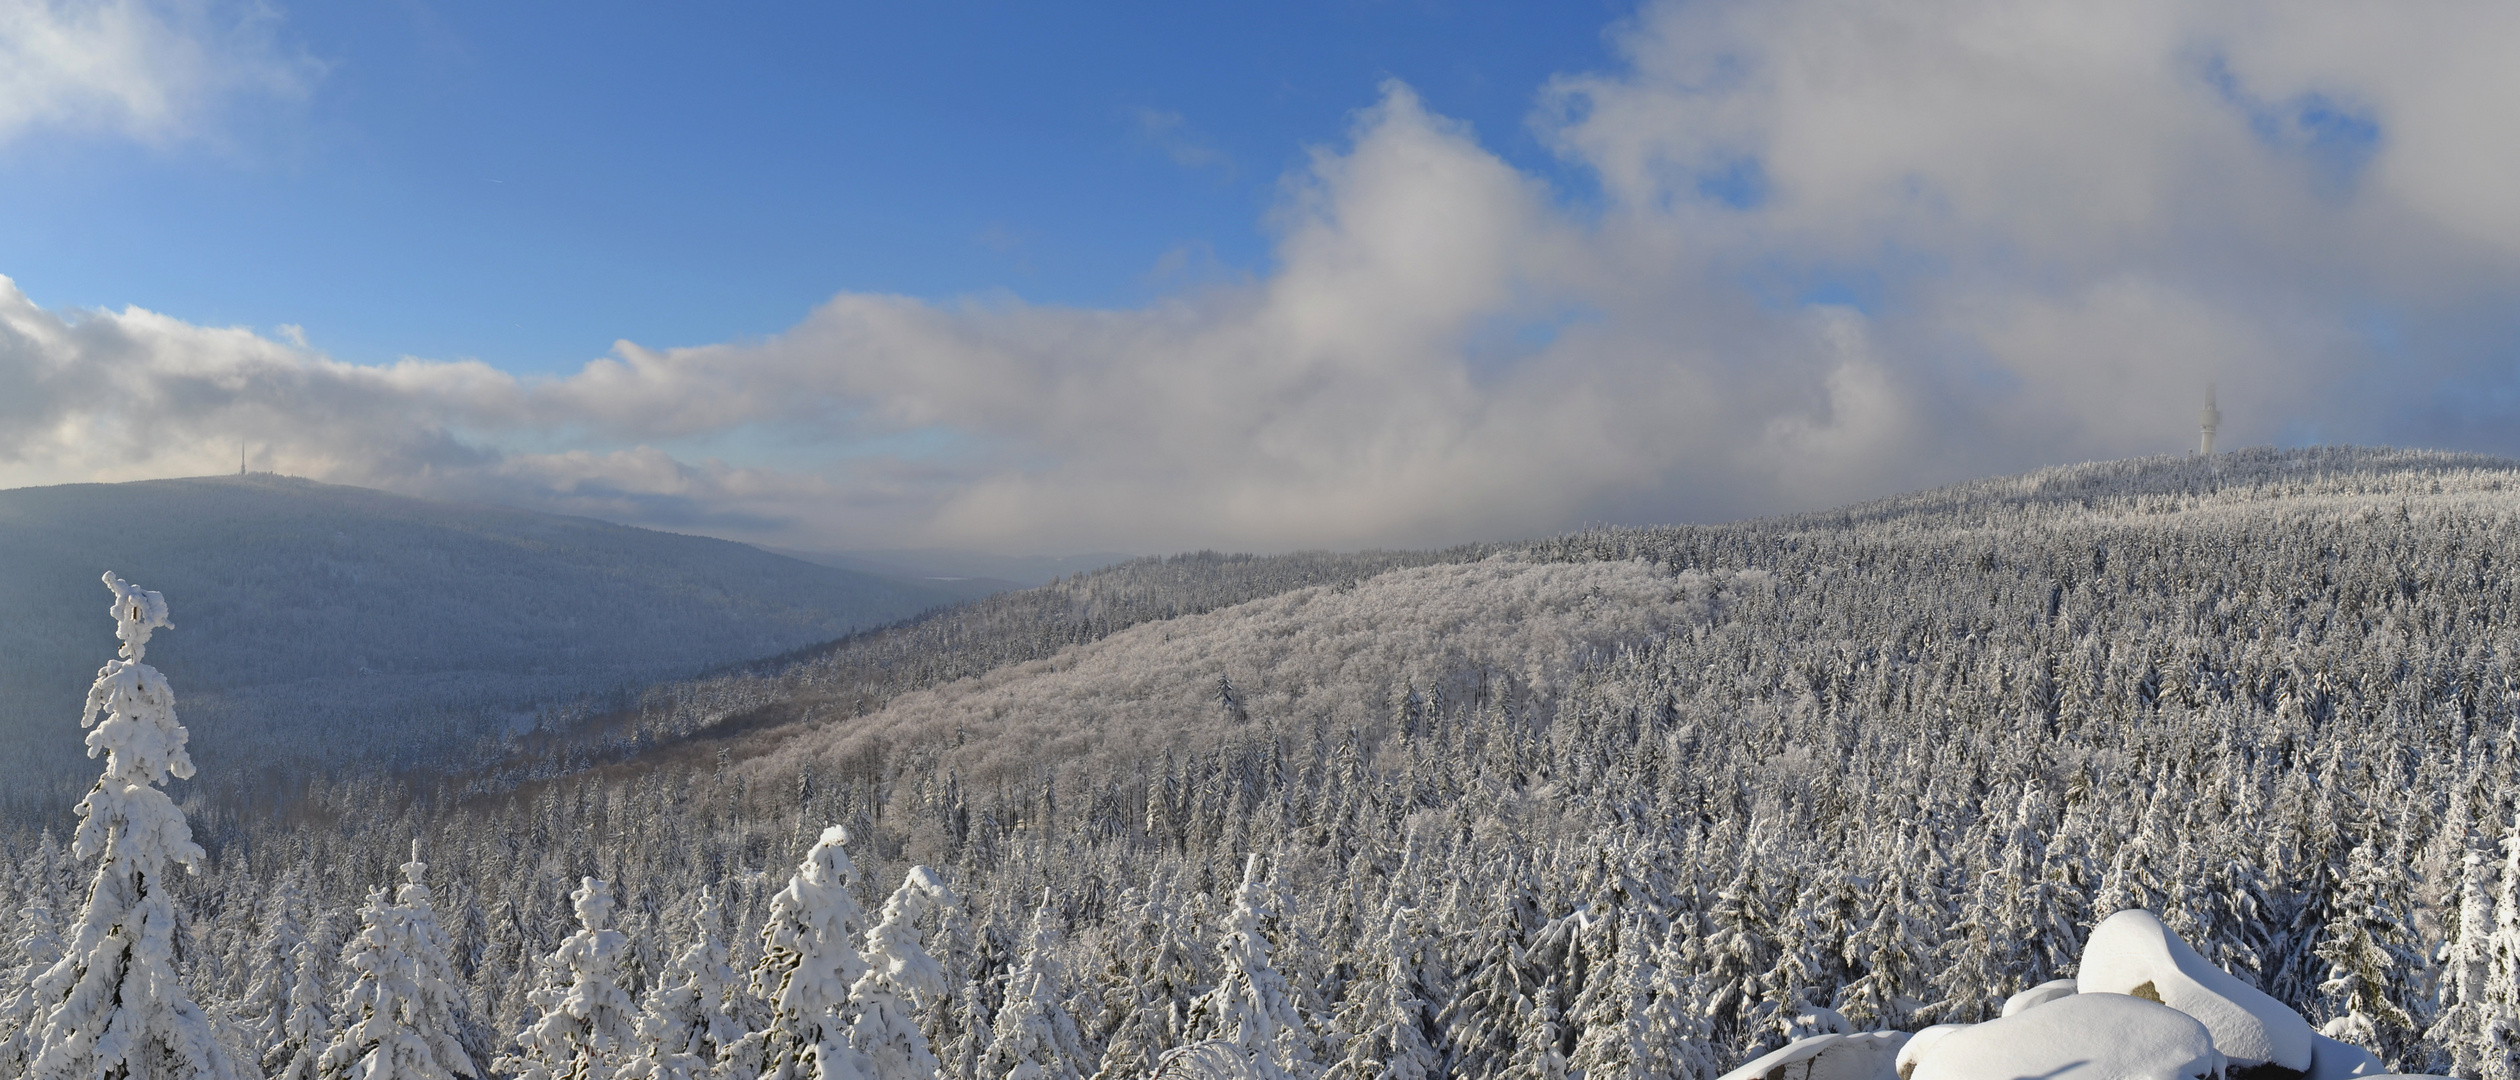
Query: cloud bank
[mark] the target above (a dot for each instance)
(1835, 250)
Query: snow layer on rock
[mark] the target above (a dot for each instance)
(2132, 953)
(2040, 995)
(2333, 1060)
(1919, 1043)
(1870, 1055)
(2088, 1036)
(1861, 1056)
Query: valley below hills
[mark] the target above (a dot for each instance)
(326, 627)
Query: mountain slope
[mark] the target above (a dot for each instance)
(327, 622)
(1633, 801)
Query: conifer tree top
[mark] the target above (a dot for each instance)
(130, 705)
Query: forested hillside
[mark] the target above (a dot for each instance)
(328, 626)
(1625, 803)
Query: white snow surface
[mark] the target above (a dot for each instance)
(2132, 950)
(1870, 1055)
(1919, 1043)
(2333, 1060)
(2087, 1036)
(2040, 995)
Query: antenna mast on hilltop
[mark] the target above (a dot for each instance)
(2207, 421)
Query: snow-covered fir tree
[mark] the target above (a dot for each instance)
(1251, 1006)
(900, 977)
(306, 1030)
(400, 1016)
(272, 970)
(586, 1025)
(809, 959)
(114, 1005)
(1033, 1036)
(2370, 960)
(38, 944)
(684, 1021)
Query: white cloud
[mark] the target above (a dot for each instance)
(151, 70)
(1840, 249)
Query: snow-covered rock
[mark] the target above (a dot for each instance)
(2132, 953)
(1920, 1042)
(2333, 1060)
(1869, 1055)
(2087, 1036)
(2040, 995)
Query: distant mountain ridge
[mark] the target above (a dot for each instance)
(977, 571)
(321, 622)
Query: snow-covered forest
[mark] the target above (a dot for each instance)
(1624, 803)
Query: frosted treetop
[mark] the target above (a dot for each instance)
(136, 613)
(130, 705)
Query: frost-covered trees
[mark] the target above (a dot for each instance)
(1936, 728)
(264, 1009)
(38, 944)
(586, 1023)
(1386, 1022)
(1251, 1005)
(900, 976)
(684, 1022)
(1033, 1036)
(809, 959)
(2370, 963)
(398, 1019)
(306, 1030)
(113, 1005)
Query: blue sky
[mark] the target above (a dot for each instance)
(1038, 280)
(527, 183)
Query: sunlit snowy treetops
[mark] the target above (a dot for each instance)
(1625, 803)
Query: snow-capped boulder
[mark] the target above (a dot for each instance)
(1918, 1043)
(1869, 1055)
(2082, 1037)
(2333, 1060)
(2040, 995)
(2132, 953)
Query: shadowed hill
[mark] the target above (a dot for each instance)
(322, 623)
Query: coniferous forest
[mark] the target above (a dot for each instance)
(1630, 802)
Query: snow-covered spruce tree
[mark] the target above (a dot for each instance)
(307, 1028)
(2365, 947)
(1251, 1005)
(2466, 958)
(586, 1025)
(112, 1006)
(271, 969)
(38, 944)
(1616, 1012)
(1146, 995)
(900, 977)
(1033, 1037)
(809, 959)
(684, 1022)
(444, 1011)
(399, 1016)
(1384, 1021)
(2499, 1006)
